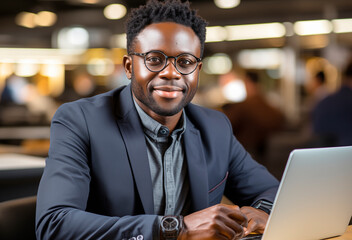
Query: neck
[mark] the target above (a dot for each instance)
(169, 121)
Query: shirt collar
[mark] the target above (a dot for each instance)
(154, 129)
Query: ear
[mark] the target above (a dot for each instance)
(200, 65)
(127, 65)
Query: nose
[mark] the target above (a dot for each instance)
(170, 71)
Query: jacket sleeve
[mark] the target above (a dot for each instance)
(64, 189)
(248, 181)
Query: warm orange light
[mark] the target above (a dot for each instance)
(26, 19)
(45, 18)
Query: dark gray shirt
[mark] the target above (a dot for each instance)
(167, 166)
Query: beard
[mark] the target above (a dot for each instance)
(146, 97)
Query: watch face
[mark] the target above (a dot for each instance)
(170, 223)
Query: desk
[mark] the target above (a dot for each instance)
(12, 161)
(346, 236)
(24, 133)
(19, 175)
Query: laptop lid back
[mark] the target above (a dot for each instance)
(314, 200)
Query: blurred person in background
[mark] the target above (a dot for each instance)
(22, 104)
(332, 117)
(141, 161)
(317, 90)
(254, 120)
(13, 91)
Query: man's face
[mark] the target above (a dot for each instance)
(164, 93)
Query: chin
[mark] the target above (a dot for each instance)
(167, 112)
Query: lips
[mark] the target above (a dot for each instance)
(168, 91)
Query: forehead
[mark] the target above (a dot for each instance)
(169, 37)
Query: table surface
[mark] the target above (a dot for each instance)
(346, 236)
(12, 161)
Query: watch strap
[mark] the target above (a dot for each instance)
(264, 205)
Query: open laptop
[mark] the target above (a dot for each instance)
(314, 200)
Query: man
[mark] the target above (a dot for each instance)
(128, 164)
(332, 117)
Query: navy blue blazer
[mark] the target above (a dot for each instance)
(97, 184)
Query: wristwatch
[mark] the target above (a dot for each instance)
(264, 205)
(171, 226)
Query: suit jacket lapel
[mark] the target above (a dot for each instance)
(197, 168)
(133, 135)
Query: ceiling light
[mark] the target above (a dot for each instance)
(90, 1)
(313, 27)
(26, 19)
(342, 25)
(219, 63)
(41, 55)
(100, 67)
(227, 3)
(45, 19)
(269, 58)
(115, 11)
(27, 68)
(51, 68)
(255, 31)
(216, 34)
(235, 91)
(73, 38)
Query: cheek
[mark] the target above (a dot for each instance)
(140, 70)
(193, 81)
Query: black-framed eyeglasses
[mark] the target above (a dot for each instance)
(156, 61)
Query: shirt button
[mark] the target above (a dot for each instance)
(164, 131)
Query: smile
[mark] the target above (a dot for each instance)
(168, 91)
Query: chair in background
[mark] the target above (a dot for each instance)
(17, 219)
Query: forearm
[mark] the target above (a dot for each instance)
(68, 223)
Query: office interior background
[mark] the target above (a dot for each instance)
(56, 51)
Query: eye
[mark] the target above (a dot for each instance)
(186, 61)
(154, 60)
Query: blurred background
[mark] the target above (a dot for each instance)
(267, 63)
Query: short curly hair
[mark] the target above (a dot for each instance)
(167, 11)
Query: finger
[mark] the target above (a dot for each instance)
(239, 217)
(259, 217)
(229, 233)
(238, 220)
(233, 212)
(228, 227)
(252, 225)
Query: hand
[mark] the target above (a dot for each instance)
(256, 220)
(217, 222)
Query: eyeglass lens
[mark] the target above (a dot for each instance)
(156, 61)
